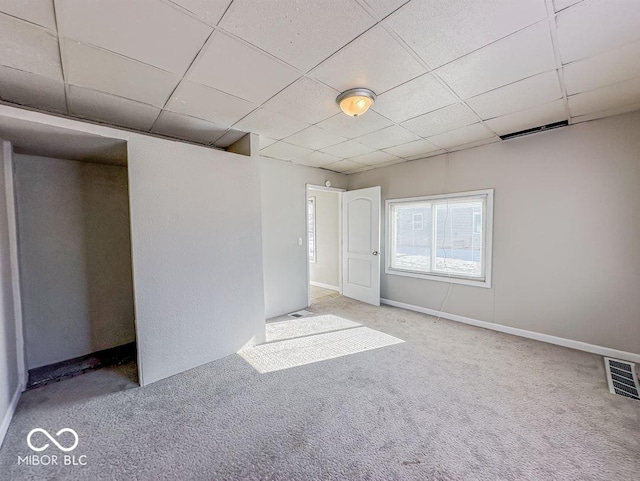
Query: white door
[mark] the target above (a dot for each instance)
(361, 245)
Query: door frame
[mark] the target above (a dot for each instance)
(339, 191)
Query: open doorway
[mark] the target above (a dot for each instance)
(324, 234)
(71, 202)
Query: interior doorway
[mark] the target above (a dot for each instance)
(324, 241)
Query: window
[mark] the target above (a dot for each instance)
(311, 227)
(441, 237)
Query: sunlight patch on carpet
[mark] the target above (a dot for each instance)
(278, 331)
(276, 356)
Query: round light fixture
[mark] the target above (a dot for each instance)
(356, 102)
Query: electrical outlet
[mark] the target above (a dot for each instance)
(299, 241)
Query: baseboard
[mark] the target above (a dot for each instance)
(325, 286)
(559, 341)
(4, 427)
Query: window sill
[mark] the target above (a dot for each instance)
(485, 283)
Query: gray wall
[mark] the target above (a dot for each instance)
(75, 257)
(566, 260)
(9, 378)
(326, 268)
(197, 254)
(284, 221)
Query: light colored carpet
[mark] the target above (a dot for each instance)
(452, 402)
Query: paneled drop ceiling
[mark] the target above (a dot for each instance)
(449, 74)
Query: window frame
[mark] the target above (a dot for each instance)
(311, 201)
(487, 253)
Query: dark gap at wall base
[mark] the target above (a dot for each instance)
(114, 356)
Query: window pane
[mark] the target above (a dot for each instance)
(311, 228)
(411, 230)
(458, 238)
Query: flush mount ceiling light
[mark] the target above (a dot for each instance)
(356, 102)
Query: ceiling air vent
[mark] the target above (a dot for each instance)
(542, 128)
(622, 378)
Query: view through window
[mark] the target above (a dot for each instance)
(442, 236)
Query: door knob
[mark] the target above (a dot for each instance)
(375, 253)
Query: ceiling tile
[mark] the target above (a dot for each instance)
(307, 100)
(374, 158)
(411, 149)
(374, 60)
(316, 159)
(233, 67)
(519, 56)
(562, 4)
(314, 138)
(477, 143)
(389, 164)
(39, 12)
(537, 90)
(208, 104)
(364, 168)
(605, 113)
(108, 72)
(416, 97)
(458, 27)
(284, 151)
(595, 26)
(350, 148)
(145, 30)
(270, 124)
(607, 68)
(610, 97)
(343, 166)
(229, 138)
(188, 128)
(464, 135)
(442, 120)
(352, 127)
(37, 91)
(94, 105)
(300, 32)
(28, 47)
(382, 8)
(210, 11)
(388, 137)
(528, 119)
(427, 154)
(265, 141)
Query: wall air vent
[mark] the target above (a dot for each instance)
(622, 378)
(542, 128)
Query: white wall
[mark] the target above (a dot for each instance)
(326, 269)
(75, 257)
(566, 260)
(284, 221)
(10, 382)
(196, 247)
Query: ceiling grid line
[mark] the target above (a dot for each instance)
(449, 59)
(64, 76)
(556, 52)
(183, 77)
